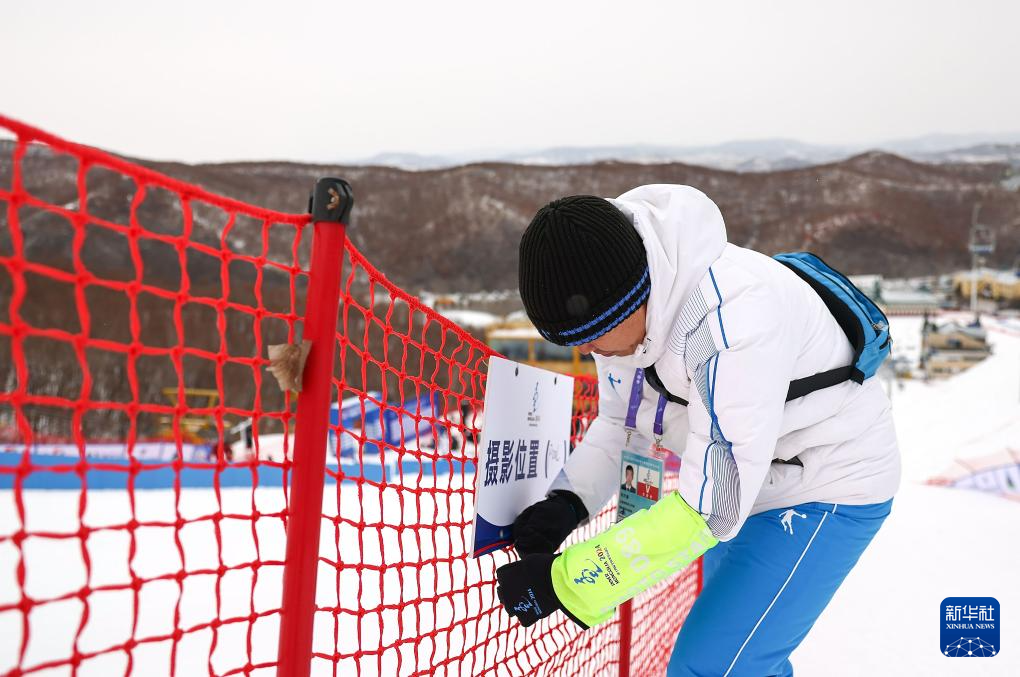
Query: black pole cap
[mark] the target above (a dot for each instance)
(331, 200)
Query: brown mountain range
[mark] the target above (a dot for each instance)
(873, 213)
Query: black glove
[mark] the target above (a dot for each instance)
(525, 589)
(543, 526)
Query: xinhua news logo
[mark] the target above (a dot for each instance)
(970, 627)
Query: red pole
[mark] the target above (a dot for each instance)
(626, 626)
(331, 206)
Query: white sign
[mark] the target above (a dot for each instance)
(525, 442)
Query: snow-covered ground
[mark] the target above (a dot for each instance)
(938, 543)
(55, 566)
(974, 413)
(420, 563)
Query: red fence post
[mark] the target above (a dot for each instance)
(626, 628)
(331, 205)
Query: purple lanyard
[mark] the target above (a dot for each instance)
(636, 393)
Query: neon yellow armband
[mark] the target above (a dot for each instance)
(592, 578)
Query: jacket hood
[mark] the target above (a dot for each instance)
(683, 234)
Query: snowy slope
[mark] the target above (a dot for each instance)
(974, 413)
(938, 542)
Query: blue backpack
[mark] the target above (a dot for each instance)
(864, 324)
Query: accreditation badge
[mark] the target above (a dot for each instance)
(640, 482)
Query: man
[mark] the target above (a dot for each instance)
(628, 480)
(648, 284)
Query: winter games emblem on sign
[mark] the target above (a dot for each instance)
(525, 442)
(970, 627)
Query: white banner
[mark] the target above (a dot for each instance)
(525, 442)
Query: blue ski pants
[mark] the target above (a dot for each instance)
(764, 589)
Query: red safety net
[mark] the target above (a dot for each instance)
(146, 453)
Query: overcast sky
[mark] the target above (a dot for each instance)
(325, 81)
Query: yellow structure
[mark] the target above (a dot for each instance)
(519, 341)
(955, 340)
(195, 428)
(952, 348)
(998, 285)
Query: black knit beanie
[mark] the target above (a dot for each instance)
(583, 269)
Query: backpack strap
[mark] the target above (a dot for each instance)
(823, 379)
(851, 326)
(798, 387)
(652, 379)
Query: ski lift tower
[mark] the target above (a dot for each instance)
(981, 245)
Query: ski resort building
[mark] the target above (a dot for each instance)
(952, 348)
(1002, 286)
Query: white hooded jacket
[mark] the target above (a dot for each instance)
(727, 329)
